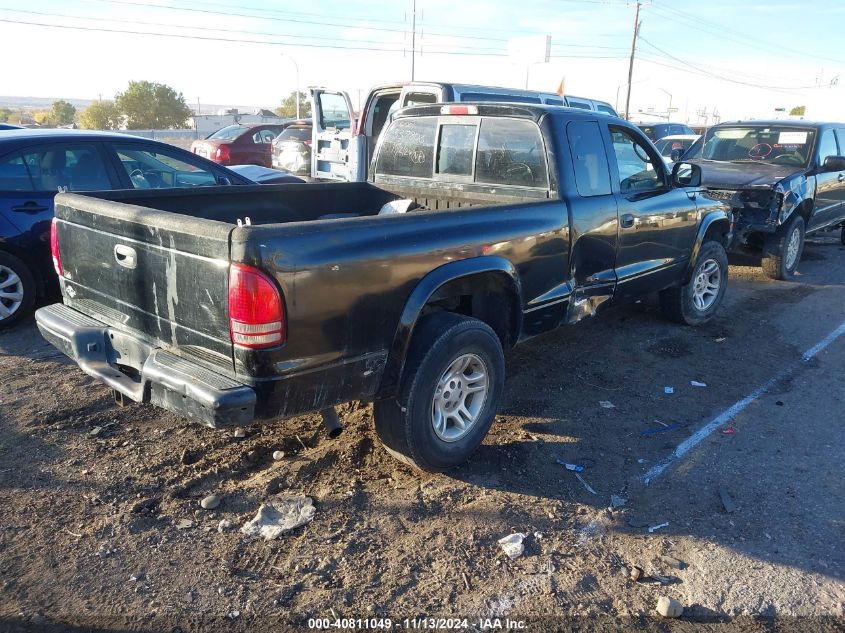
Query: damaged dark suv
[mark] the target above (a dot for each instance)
(783, 179)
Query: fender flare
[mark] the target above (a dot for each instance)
(420, 295)
(707, 221)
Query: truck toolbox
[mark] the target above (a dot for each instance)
(143, 373)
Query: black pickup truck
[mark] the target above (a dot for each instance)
(481, 226)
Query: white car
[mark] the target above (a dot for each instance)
(674, 144)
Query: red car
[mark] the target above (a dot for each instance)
(239, 145)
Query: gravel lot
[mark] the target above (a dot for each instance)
(101, 525)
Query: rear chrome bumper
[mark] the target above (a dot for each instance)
(144, 373)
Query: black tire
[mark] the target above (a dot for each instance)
(404, 424)
(776, 264)
(11, 267)
(679, 304)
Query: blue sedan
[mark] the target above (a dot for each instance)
(36, 164)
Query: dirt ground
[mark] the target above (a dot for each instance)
(101, 526)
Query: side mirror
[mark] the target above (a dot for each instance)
(834, 163)
(675, 154)
(686, 175)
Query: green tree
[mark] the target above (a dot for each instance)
(798, 111)
(62, 113)
(42, 117)
(5, 113)
(150, 105)
(288, 107)
(100, 115)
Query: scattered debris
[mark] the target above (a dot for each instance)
(729, 431)
(606, 404)
(239, 433)
(668, 390)
(654, 528)
(280, 515)
(695, 383)
(210, 502)
(669, 607)
(466, 581)
(721, 339)
(225, 525)
(636, 573)
(234, 615)
(512, 545)
(578, 468)
(277, 455)
(138, 575)
(727, 500)
(642, 460)
(593, 529)
(779, 403)
(586, 485)
(663, 580)
(673, 562)
(663, 429)
(617, 501)
(95, 431)
(184, 524)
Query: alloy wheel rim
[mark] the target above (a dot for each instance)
(11, 292)
(459, 397)
(792, 247)
(705, 289)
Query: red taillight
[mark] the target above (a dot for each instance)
(54, 249)
(459, 109)
(307, 142)
(256, 311)
(222, 153)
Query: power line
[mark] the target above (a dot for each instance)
(729, 34)
(276, 43)
(707, 73)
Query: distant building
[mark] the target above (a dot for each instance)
(206, 124)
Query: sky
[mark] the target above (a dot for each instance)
(735, 59)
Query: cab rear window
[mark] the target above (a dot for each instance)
(509, 152)
(408, 148)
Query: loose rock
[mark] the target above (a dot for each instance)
(512, 544)
(636, 573)
(184, 524)
(277, 455)
(673, 562)
(210, 502)
(239, 433)
(95, 431)
(669, 607)
(225, 525)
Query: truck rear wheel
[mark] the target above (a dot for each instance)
(449, 395)
(782, 251)
(696, 301)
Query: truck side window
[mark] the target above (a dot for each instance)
(419, 98)
(638, 170)
(589, 160)
(407, 148)
(454, 152)
(511, 152)
(827, 146)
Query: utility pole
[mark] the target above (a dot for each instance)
(631, 64)
(413, 37)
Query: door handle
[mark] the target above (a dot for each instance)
(626, 221)
(30, 207)
(125, 256)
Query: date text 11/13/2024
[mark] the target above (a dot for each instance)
(432, 624)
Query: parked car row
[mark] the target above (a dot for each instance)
(36, 164)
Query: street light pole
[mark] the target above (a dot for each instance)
(296, 66)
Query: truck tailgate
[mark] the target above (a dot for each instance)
(161, 275)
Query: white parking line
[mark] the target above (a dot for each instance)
(731, 412)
